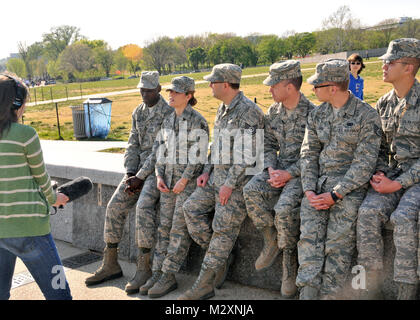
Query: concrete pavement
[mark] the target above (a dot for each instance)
(114, 290)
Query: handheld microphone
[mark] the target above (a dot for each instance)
(74, 189)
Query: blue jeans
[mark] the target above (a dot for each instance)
(40, 256)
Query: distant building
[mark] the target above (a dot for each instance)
(390, 23)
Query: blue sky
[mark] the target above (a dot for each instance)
(132, 21)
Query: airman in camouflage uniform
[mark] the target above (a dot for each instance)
(395, 191)
(338, 157)
(176, 174)
(146, 121)
(220, 186)
(285, 124)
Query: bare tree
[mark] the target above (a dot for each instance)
(24, 54)
(160, 53)
(339, 24)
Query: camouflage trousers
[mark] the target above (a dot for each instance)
(261, 199)
(119, 207)
(173, 240)
(402, 207)
(328, 240)
(226, 223)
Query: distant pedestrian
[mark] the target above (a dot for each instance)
(356, 84)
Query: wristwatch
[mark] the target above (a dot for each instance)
(335, 197)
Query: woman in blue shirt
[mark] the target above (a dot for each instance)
(356, 66)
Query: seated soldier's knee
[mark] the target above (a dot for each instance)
(187, 207)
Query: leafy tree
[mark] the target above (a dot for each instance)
(104, 56)
(59, 38)
(17, 66)
(120, 60)
(76, 59)
(160, 53)
(410, 29)
(196, 56)
(304, 44)
(134, 55)
(270, 48)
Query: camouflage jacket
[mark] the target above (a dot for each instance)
(179, 135)
(241, 116)
(345, 147)
(283, 136)
(145, 126)
(400, 148)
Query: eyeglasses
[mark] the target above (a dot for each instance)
(356, 63)
(389, 62)
(325, 85)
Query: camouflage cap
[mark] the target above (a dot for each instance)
(402, 48)
(181, 84)
(149, 80)
(225, 72)
(334, 70)
(279, 71)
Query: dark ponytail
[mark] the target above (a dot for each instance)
(193, 101)
(7, 96)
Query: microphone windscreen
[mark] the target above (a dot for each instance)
(76, 188)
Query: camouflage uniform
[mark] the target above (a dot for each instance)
(241, 114)
(145, 126)
(338, 153)
(173, 238)
(283, 136)
(400, 161)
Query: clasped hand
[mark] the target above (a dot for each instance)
(380, 183)
(323, 201)
(278, 178)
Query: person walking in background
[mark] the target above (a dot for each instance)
(176, 176)
(356, 84)
(26, 195)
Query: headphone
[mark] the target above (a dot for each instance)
(20, 92)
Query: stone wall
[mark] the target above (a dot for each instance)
(82, 222)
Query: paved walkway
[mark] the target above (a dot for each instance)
(24, 288)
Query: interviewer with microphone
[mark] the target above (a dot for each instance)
(26, 197)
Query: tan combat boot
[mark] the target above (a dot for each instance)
(406, 291)
(144, 289)
(270, 249)
(163, 286)
(143, 273)
(289, 273)
(221, 274)
(110, 268)
(203, 287)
